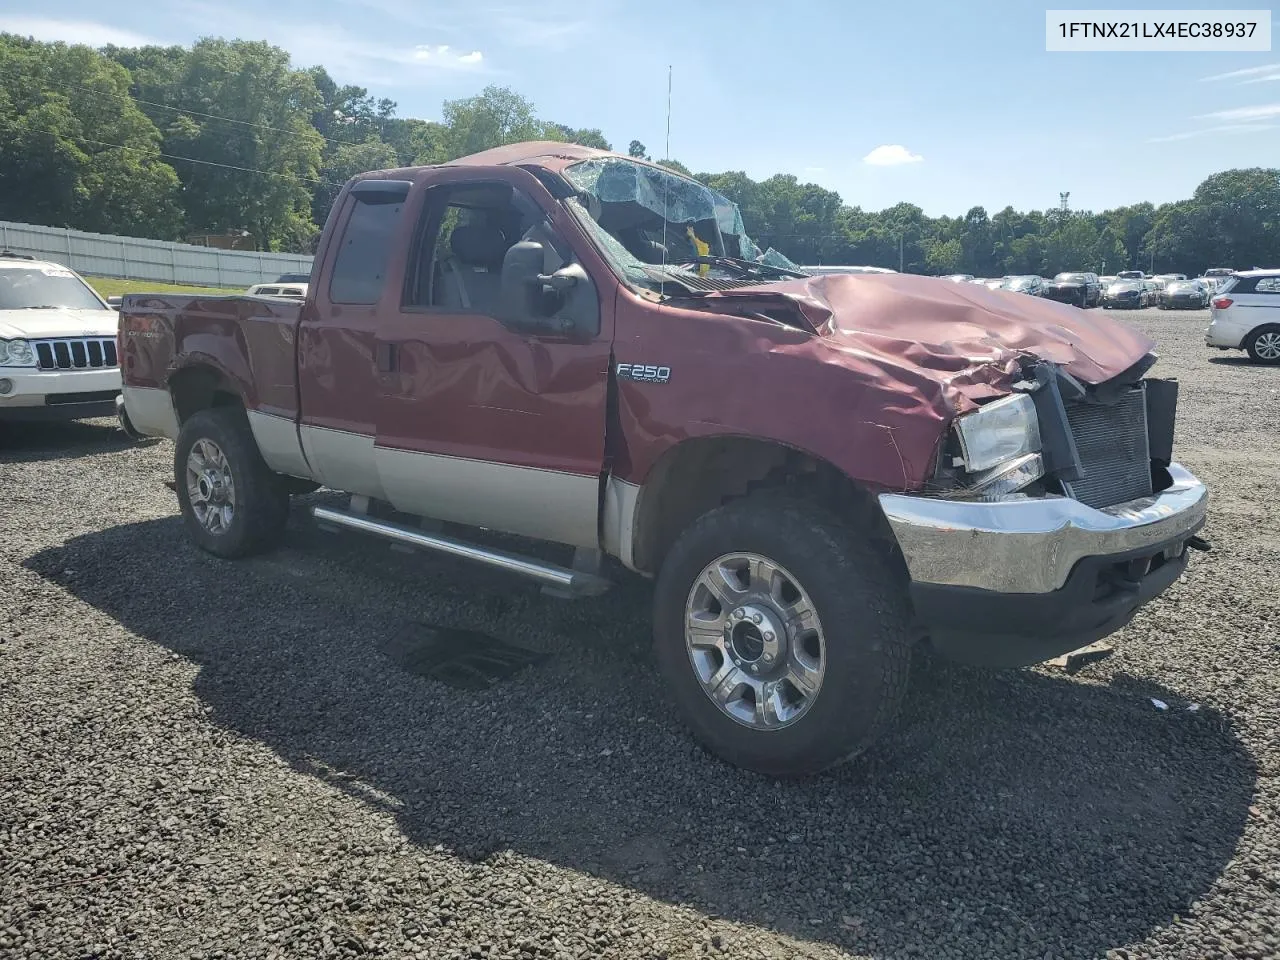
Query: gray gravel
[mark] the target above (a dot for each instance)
(210, 759)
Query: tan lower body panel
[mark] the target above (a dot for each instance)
(151, 411)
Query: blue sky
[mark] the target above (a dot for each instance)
(959, 104)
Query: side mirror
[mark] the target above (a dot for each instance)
(528, 298)
(519, 295)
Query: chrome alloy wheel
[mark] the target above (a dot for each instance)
(1268, 345)
(755, 641)
(210, 486)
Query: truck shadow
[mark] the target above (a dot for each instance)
(1074, 816)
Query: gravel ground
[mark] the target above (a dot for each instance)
(210, 759)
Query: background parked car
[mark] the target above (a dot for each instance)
(1131, 275)
(1245, 315)
(1155, 291)
(58, 351)
(1030, 284)
(1185, 295)
(959, 277)
(1080, 289)
(1125, 294)
(995, 283)
(1105, 282)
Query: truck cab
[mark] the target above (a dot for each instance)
(821, 474)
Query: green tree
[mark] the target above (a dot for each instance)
(637, 149)
(944, 257)
(1240, 213)
(585, 137)
(75, 150)
(344, 162)
(497, 116)
(417, 143)
(243, 118)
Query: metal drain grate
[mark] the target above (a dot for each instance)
(463, 659)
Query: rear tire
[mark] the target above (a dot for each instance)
(849, 655)
(1263, 345)
(232, 503)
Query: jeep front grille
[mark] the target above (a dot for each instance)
(77, 354)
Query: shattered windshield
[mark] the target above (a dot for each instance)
(650, 222)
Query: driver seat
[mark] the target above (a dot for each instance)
(472, 277)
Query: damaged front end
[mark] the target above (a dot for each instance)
(1100, 444)
(1054, 514)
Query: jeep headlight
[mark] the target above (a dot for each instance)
(998, 432)
(16, 353)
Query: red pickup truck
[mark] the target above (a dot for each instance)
(822, 473)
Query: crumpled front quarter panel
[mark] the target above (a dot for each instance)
(732, 376)
(886, 365)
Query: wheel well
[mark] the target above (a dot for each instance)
(699, 475)
(197, 388)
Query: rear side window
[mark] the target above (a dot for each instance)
(360, 269)
(1268, 285)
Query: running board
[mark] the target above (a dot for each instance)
(575, 582)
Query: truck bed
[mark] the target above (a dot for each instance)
(239, 336)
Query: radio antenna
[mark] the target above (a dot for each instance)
(666, 206)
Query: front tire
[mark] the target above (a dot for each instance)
(232, 503)
(1264, 345)
(784, 638)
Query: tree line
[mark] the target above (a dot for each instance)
(229, 136)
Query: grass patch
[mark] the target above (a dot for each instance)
(111, 287)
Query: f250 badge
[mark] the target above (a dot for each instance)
(643, 373)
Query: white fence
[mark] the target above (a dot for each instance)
(133, 258)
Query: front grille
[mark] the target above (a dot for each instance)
(1112, 441)
(78, 354)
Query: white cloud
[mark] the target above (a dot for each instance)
(891, 155)
(348, 58)
(1244, 114)
(1270, 68)
(72, 31)
(1220, 128)
(441, 56)
(1274, 76)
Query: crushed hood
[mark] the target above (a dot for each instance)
(962, 340)
(57, 322)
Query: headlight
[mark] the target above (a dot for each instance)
(998, 432)
(16, 353)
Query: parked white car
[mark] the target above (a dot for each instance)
(294, 291)
(1245, 315)
(58, 356)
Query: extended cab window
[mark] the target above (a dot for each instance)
(360, 268)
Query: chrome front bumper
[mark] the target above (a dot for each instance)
(1031, 545)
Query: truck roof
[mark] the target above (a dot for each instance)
(550, 155)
